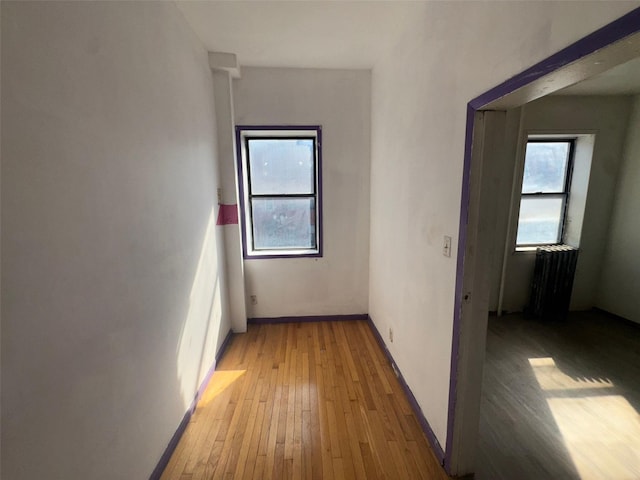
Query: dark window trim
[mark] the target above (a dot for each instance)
(565, 194)
(242, 138)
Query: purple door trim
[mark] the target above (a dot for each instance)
(611, 33)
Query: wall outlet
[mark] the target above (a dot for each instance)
(219, 196)
(446, 246)
(391, 334)
(254, 299)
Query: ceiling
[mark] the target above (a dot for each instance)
(621, 80)
(318, 34)
(336, 34)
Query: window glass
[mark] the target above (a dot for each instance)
(280, 174)
(540, 220)
(281, 166)
(545, 167)
(281, 223)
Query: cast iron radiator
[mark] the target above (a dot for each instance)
(552, 282)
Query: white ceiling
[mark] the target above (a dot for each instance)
(320, 34)
(621, 80)
(335, 34)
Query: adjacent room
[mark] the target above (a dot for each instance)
(560, 394)
(237, 237)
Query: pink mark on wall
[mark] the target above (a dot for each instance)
(228, 215)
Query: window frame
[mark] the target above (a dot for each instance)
(245, 133)
(565, 193)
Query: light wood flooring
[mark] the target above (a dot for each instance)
(304, 401)
(561, 399)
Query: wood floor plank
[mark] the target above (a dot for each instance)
(323, 421)
(561, 399)
(314, 400)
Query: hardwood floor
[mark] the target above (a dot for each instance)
(561, 399)
(304, 400)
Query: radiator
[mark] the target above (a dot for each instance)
(552, 282)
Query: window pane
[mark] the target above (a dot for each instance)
(283, 223)
(539, 221)
(281, 166)
(545, 167)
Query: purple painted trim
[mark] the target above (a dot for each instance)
(243, 222)
(308, 318)
(611, 33)
(457, 314)
(615, 31)
(319, 205)
(424, 423)
(173, 443)
(224, 345)
(291, 255)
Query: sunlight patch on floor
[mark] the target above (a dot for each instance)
(550, 377)
(600, 428)
(220, 381)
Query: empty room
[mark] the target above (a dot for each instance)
(559, 396)
(260, 239)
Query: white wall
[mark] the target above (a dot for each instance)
(620, 279)
(111, 302)
(340, 101)
(606, 118)
(228, 193)
(419, 95)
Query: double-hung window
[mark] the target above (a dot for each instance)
(545, 191)
(280, 187)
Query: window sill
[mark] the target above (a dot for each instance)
(261, 255)
(527, 249)
(534, 248)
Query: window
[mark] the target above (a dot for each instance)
(545, 191)
(280, 191)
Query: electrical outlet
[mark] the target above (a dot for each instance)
(446, 246)
(219, 196)
(254, 299)
(391, 334)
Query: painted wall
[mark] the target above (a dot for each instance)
(111, 303)
(620, 278)
(605, 117)
(340, 101)
(419, 94)
(223, 93)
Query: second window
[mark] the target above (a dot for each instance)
(545, 191)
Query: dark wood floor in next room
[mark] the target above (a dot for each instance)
(561, 399)
(304, 401)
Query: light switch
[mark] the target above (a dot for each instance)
(446, 246)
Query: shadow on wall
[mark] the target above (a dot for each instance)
(201, 331)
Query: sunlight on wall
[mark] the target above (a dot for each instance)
(600, 428)
(197, 344)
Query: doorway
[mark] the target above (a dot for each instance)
(612, 45)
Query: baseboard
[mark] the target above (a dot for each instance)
(424, 423)
(614, 316)
(173, 443)
(223, 346)
(308, 318)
